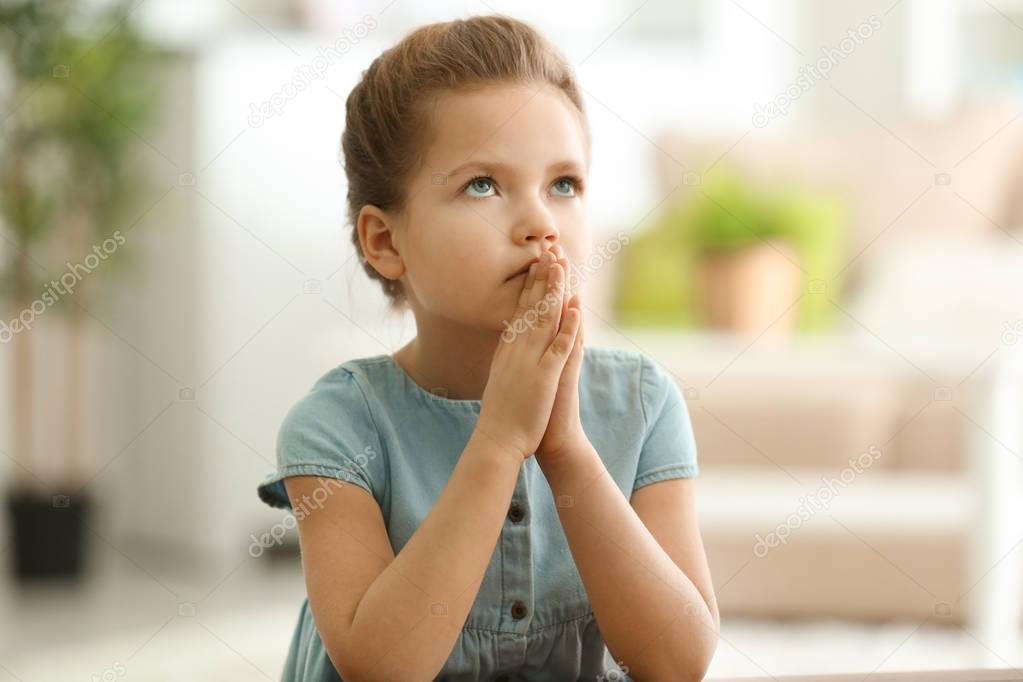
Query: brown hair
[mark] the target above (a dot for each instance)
(386, 113)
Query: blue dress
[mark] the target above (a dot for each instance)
(368, 423)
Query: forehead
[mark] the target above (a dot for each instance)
(522, 126)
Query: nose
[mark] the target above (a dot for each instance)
(537, 226)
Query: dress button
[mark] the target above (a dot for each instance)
(515, 512)
(519, 610)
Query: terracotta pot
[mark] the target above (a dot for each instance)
(749, 290)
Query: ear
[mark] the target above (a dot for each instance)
(376, 234)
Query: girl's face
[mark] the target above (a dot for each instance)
(502, 182)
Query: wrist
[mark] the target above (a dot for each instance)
(564, 445)
(573, 469)
(499, 439)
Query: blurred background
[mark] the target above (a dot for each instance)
(810, 213)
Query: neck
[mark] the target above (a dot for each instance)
(449, 356)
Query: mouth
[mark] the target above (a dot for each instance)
(523, 270)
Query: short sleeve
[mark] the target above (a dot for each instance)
(669, 447)
(329, 432)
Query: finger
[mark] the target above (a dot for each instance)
(540, 281)
(565, 263)
(569, 267)
(530, 276)
(526, 288)
(577, 351)
(539, 298)
(575, 303)
(549, 308)
(573, 364)
(528, 297)
(557, 353)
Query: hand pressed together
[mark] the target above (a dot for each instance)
(564, 429)
(531, 399)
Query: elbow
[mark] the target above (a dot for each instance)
(353, 663)
(684, 658)
(689, 670)
(344, 656)
(348, 667)
(697, 670)
(698, 650)
(343, 661)
(696, 658)
(688, 661)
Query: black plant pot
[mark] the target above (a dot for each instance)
(47, 535)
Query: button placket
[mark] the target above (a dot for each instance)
(516, 513)
(517, 575)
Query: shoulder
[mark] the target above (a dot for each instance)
(615, 365)
(634, 413)
(341, 393)
(331, 431)
(619, 376)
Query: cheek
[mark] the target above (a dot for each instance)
(454, 258)
(469, 243)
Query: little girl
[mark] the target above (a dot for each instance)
(490, 502)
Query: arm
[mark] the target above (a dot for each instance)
(387, 617)
(643, 567)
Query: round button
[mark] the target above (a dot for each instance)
(516, 513)
(519, 610)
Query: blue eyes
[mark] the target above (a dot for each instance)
(568, 184)
(482, 186)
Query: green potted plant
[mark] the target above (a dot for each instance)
(735, 256)
(748, 270)
(77, 93)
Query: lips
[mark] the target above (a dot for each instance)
(524, 269)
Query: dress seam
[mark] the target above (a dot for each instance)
(369, 411)
(642, 399)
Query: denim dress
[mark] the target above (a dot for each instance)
(366, 422)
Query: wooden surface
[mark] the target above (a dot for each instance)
(992, 675)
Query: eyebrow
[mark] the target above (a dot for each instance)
(569, 165)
